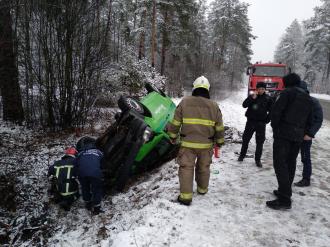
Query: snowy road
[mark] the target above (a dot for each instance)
(233, 213)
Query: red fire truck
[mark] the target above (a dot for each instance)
(269, 73)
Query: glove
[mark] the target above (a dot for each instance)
(173, 140)
(219, 145)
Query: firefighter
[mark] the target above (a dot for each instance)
(88, 164)
(198, 123)
(259, 105)
(64, 186)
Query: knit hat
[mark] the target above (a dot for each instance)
(291, 80)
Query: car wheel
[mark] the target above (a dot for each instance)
(128, 103)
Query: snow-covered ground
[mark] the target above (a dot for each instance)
(321, 96)
(233, 213)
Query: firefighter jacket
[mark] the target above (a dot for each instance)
(65, 176)
(198, 121)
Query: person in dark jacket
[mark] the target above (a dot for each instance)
(259, 106)
(305, 149)
(88, 164)
(64, 186)
(290, 117)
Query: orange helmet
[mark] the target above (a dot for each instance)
(71, 151)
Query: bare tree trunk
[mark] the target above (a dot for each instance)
(233, 67)
(328, 66)
(199, 61)
(213, 51)
(143, 34)
(68, 83)
(118, 41)
(153, 34)
(107, 30)
(164, 42)
(98, 18)
(29, 111)
(48, 74)
(134, 18)
(114, 36)
(10, 90)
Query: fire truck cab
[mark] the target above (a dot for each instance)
(269, 73)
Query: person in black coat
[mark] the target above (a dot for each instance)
(64, 186)
(88, 164)
(258, 115)
(291, 115)
(305, 149)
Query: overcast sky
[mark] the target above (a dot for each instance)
(270, 18)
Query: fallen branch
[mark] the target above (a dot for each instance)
(4, 225)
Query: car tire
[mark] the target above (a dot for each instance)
(123, 176)
(129, 103)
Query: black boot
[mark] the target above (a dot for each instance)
(240, 158)
(65, 205)
(88, 205)
(278, 205)
(97, 210)
(303, 183)
(275, 192)
(258, 163)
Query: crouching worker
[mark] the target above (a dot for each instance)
(64, 186)
(198, 122)
(88, 164)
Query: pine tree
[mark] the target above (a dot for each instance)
(229, 41)
(291, 47)
(317, 47)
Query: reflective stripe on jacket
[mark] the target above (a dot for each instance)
(64, 172)
(199, 122)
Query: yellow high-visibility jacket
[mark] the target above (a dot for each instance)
(198, 121)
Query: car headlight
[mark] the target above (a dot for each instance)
(147, 134)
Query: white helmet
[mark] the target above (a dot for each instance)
(202, 82)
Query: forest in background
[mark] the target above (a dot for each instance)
(305, 47)
(59, 59)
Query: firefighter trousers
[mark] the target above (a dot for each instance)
(190, 160)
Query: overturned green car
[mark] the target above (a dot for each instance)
(137, 141)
